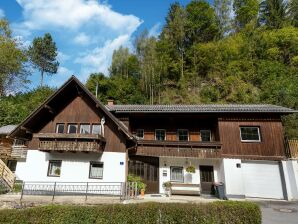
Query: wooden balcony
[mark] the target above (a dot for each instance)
(191, 149)
(19, 152)
(70, 142)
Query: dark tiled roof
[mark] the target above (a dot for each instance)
(201, 108)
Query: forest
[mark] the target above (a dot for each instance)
(241, 51)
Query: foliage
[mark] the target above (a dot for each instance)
(246, 11)
(293, 12)
(167, 185)
(17, 187)
(190, 169)
(15, 108)
(136, 179)
(43, 53)
(273, 13)
(216, 212)
(13, 69)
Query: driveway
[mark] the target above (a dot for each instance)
(279, 212)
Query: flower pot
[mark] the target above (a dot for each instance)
(142, 192)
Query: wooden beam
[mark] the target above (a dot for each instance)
(50, 109)
(27, 130)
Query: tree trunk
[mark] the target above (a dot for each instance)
(41, 78)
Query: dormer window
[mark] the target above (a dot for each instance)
(250, 134)
(60, 128)
(205, 135)
(72, 128)
(183, 135)
(140, 133)
(96, 129)
(160, 134)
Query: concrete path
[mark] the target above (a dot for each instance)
(279, 212)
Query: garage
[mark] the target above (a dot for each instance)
(262, 179)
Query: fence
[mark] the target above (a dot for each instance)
(293, 145)
(122, 190)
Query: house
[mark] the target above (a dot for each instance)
(73, 137)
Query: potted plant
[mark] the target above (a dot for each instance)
(57, 171)
(141, 186)
(167, 186)
(190, 169)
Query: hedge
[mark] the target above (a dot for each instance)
(170, 213)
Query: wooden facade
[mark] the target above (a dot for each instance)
(74, 104)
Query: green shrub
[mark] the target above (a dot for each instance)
(140, 183)
(217, 212)
(17, 187)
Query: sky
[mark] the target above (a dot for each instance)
(86, 32)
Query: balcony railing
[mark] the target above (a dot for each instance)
(70, 142)
(19, 152)
(193, 149)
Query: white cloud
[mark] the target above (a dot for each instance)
(86, 30)
(155, 30)
(82, 39)
(72, 14)
(62, 57)
(2, 13)
(99, 59)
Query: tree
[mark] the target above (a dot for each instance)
(273, 13)
(202, 24)
(223, 12)
(43, 53)
(246, 11)
(13, 69)
(293, 12)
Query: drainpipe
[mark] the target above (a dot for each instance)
(102, 122)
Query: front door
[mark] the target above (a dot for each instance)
(147, 169)
(207, 179)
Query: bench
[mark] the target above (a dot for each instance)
(186, 189)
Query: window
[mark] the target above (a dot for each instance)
(96, 170)
(54, 169)
(19, 143)
(12, 165)
(250, 134)
(140, 133)
(72, 129)
(85, 128)
(183, 135)
(96, 129)
(176, 173)
(160, 134)
(205, 135)
(59, 128)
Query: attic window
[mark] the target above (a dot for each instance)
(59, 128)
(72, 128)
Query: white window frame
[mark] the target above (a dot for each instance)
(259, 135)
(182, 130)
(83, 124)
(210, 135)
(68, 127)
(90, 167)
(100, 128)
(178, 181)
(160, 130)
(57, 125)
(137, 133)
(49, 167)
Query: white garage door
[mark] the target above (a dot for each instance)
(262, 180)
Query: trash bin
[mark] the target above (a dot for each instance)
(219, 190)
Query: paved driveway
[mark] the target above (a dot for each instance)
(279, 212)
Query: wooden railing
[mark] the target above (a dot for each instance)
(6, 174)
(71, 146)
(194, 149)
(293, 145)
(19, 152)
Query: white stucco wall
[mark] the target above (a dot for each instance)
(290, 169)
(74, 168)
(233, 177)
(166, 163)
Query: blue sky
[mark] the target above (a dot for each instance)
(86, 32)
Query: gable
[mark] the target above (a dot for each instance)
(72, 99)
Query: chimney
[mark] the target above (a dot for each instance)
(110, 102)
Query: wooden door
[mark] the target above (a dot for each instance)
(207, 178)
(147, 169)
